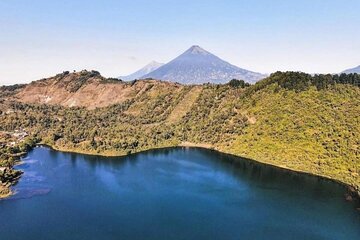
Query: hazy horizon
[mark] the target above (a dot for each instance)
(117, 38)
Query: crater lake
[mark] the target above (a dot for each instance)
(175, 193)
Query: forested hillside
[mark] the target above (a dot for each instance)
(293, 120)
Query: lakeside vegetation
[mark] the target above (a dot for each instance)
(293, 120)
(12, 146)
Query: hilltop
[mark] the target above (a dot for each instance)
(84, 89)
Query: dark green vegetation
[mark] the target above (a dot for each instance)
(294, 120)
(10, 151)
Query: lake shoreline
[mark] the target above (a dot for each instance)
(352, 195)
(5, 192)
(171, 190)
(10, 177)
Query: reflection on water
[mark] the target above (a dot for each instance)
(176, 193)
(33, 183)
(23, 193)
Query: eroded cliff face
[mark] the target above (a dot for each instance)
(86, 89)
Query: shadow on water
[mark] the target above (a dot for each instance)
(270, 177)
(277, 178)
(255, 173)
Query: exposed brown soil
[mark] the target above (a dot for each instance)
(87, 89)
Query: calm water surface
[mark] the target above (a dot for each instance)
(171, 194)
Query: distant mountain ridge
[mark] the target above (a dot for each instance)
(143, 71)
(197, 66)
(352, 70)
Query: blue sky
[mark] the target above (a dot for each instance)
(39, 38)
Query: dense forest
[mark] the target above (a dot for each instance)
(290, 119)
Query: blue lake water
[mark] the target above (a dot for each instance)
(175, 193)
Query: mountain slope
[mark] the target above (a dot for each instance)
(143, 71)
(85, 89)
(352, 70)
(292, 120)
(197, 66)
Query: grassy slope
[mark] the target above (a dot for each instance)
(315, 131)
(311, 131)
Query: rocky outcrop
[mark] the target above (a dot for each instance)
(4, 191)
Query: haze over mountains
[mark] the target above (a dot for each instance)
(143, 71)
(197, 66)
(352, 70)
